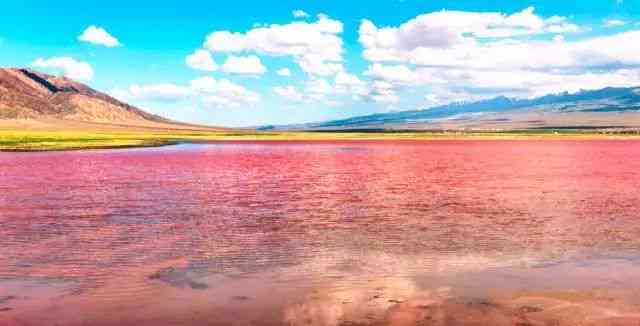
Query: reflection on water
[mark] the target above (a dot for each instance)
(325, 233)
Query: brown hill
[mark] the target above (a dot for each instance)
(29, 95)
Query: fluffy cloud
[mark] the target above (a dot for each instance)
(201, 60)
(250, 65)
(614, 22)
(465, 54)
(451, 29)
(470, 84)
(159, 92)
(69, 67)
(541, 83)
(318, 88)
(327, 92)
(345, 79)
(346, 83)
(399, 74)
(557, 55)
(285, 72)
(313, 64)
(382, 92)
(289, 93)
(98, 35)
(440, 33)
(223, 93)
(300, 14)
(315, 46)
(206, 90)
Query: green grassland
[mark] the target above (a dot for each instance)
(20, 140)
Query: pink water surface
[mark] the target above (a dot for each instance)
(250, 233)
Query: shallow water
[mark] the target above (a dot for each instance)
(323, 233)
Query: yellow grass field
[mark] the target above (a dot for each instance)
(44, 140)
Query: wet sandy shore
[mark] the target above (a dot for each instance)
(569, 293)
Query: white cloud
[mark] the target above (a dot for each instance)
(393, 73)
(320, 90)
(382, 92)
(595, 53)
(330, 92)
(98, 35)
(224, 93)
(159, 92)
(289, 93)
(68, 66)
(204, 84)
(346, 79)
(614, 22)
(206, 90)
(316, 46)
(314, 64)
(300, 14)
(285, 72)
(469, 54)
(439, 33)
(346, 83)
(453, 29)
(201, 60)
(250, 65)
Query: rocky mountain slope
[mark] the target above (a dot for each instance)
(27, 94)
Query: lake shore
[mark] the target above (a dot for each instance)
(57, 140)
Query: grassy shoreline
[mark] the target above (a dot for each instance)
(28, 141)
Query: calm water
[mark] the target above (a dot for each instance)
(333, 233)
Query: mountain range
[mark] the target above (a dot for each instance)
(594, 109)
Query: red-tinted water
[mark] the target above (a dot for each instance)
(320, 233)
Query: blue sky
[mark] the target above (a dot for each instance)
(344, 58)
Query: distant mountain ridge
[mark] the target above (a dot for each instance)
(28, 94)
(605, 100)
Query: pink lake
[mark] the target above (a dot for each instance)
(323, 233)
